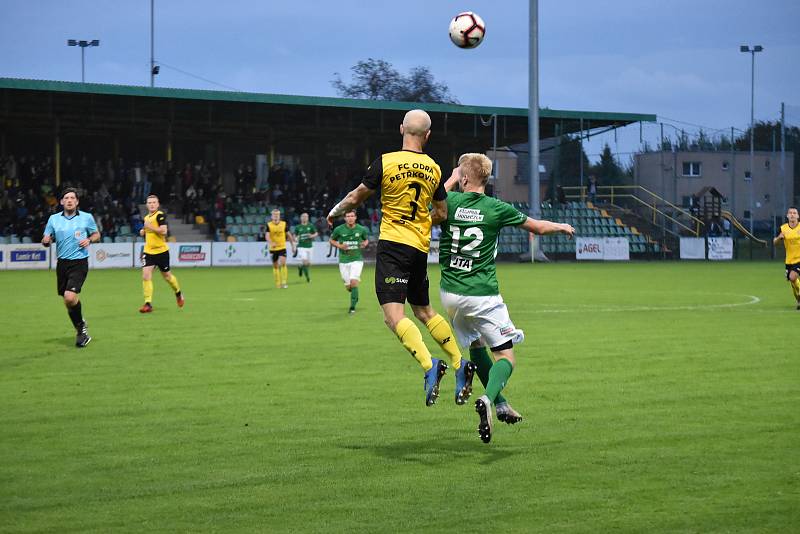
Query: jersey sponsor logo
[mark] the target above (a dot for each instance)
(28, 255)
(78, 234)
(468, 215)
(191, 253)
(394, 280)
(461, 263)
(507, 330)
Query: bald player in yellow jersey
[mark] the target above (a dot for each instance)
(156, 254)
(790, 235)
(409, 181)
(276, 235)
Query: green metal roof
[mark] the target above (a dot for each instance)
(295, 100)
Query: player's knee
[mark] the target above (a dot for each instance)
(424, 313)
(70, 299)
(353, 283)
(792, 276)
(476, 344)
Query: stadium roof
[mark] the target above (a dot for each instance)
(593, 118)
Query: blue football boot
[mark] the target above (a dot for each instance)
(432, 378)
(464, 376)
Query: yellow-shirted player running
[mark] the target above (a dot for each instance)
(156, 254)
(276, 235)
(790, 235)
(409, 181)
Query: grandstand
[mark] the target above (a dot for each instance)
(588, 220)
(218, 160)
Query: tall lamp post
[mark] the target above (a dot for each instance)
(83, 45)
(752, 51)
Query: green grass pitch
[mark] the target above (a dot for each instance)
(658, 397)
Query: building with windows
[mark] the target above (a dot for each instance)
(678, 176)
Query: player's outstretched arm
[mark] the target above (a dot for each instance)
(538, 227)
(352, 200)
(777, 238)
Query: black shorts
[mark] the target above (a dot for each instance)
(71, 274)
(792, 267)
(401, 273)
(277, 254)
(160, 260)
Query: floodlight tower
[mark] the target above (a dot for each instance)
(752, 51)
(83, 45)
(533, 117)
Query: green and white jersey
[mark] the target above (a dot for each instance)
(304, 233)
(352, 238)
(468, 244)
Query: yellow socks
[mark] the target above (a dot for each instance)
(147, 287)
(411, 338)
(284, 275)
(173, 283)
(276, 274)
(796, 288)
(443, 335)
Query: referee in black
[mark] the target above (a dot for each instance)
(72, 231)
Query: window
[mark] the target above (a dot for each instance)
(725, 165)
(691, 168)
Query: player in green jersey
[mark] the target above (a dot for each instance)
(350, 238)
(469, 289)
(305, 233)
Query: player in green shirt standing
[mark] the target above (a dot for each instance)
(305, 233)
(350, 238)
(469, 289)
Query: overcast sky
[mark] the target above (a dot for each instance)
(677, 59)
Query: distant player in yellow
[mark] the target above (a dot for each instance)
(156, 254)
(409, 181)
(790, 235)
(277, 233)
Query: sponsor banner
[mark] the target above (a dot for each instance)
(720, 248)
(693, 248)
(616, 249)
(31, 256)
(602, 248)
(229, 254)
(190, 254)
(589, 248)
(433, 254)
(111, 255)
(321, 253)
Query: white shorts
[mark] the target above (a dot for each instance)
(480, 317)
(304, 254)
(351, 271)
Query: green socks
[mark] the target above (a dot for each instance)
(353, 297)
(480, 357)
(498, 378)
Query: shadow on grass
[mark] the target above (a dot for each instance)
(427, 452)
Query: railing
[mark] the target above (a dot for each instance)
(651, 201)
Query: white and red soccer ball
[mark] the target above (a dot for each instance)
(467, 30)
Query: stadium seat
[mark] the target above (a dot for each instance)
(107, 239)
(4, 240)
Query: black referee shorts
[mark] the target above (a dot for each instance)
(401, 273)
(160, 260)
(71, 274)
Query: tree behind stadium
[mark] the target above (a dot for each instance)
(377, 79)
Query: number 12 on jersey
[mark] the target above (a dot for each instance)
(461, 262)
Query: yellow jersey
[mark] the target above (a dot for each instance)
(408, 181)
(155, 243)
(277, 235)
(791, 242)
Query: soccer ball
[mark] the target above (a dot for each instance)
(467, 30)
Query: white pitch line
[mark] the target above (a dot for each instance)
(245, 299)
(752, 299)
